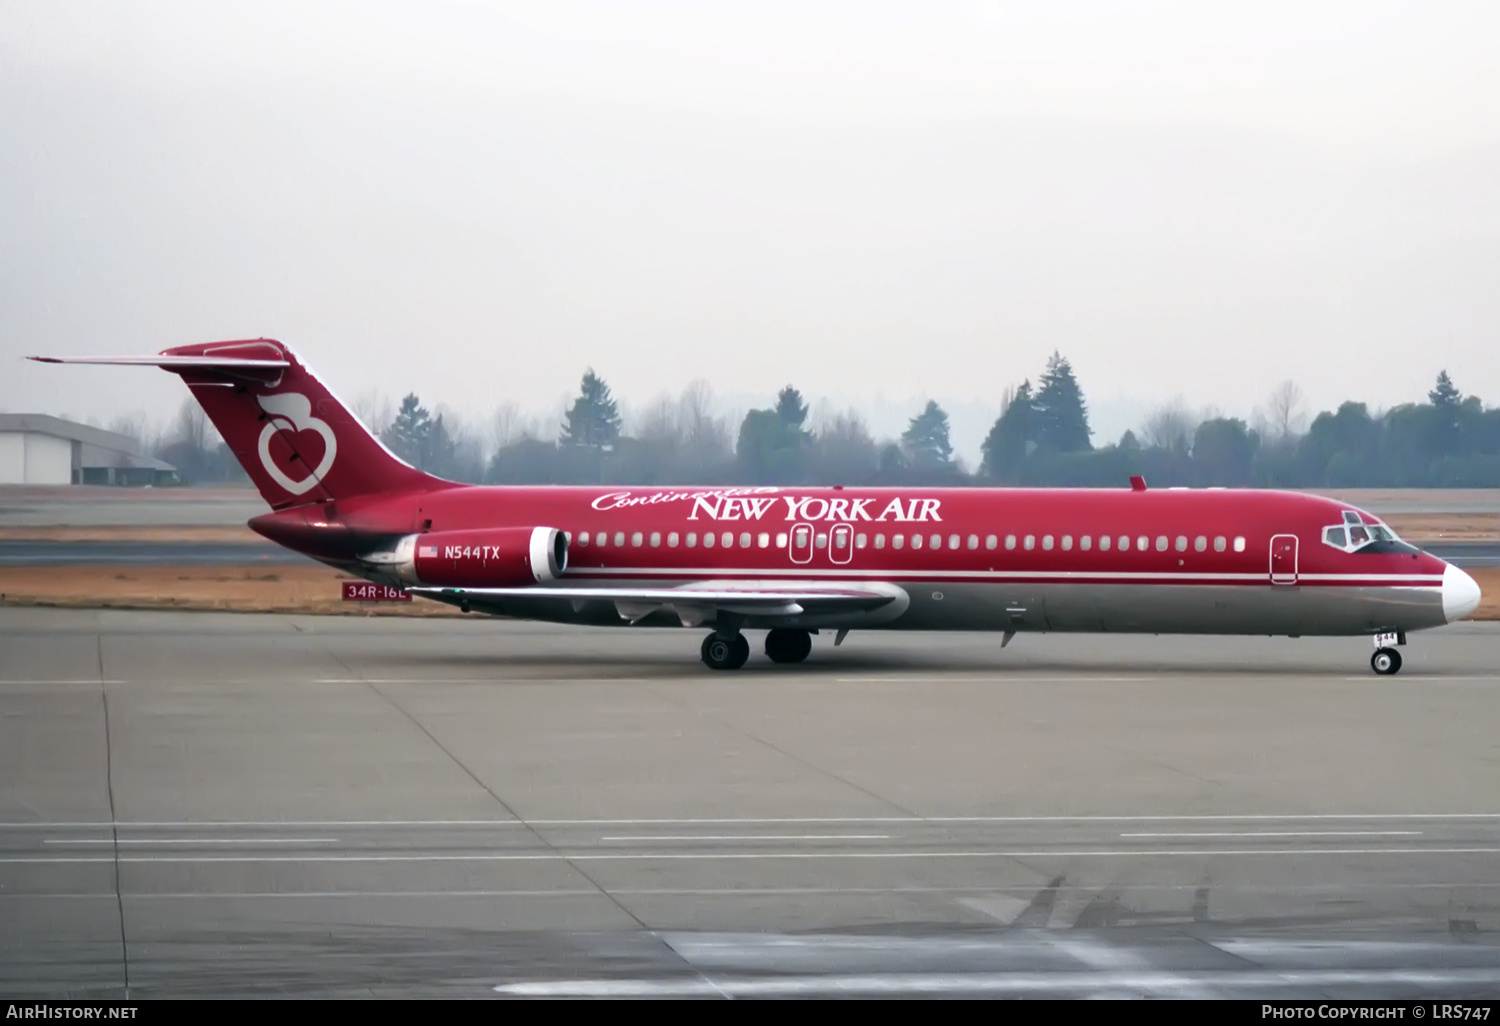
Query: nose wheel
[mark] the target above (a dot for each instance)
(722, 652)
(1386, 661)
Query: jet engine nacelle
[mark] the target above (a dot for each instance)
(501, 557)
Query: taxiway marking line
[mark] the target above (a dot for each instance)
(751, 837)
(325, 824)
(192, 840)
(1291, 833)
(745, 856)
(1063, 981)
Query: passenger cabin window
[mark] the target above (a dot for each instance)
(692, 539)
(708, 539)
(973, 541)
(672, 540)
(860, 540)
(781, 540)
(916, 541)
(1239, 544)
(1181, 543)
(1219, 543)
(728, 539)
(1200, 544)
(583, 537)
(936, 541)
(744, 540)
(655, 539)
(1104, 543)
(1161, 543)
(619, 538)
(953, 541)
(880, 541)
(1125, 542)
(1086, 542)
(1030, 542)
(636, 539)
(1143, 543)
(763, 540)
(898, 540)
(1067, 542)
(1010, 541)
(1047, 542)
(990, 541)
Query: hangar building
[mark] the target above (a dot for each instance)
(40, 450)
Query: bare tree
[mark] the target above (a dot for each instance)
(700, 428)
(1285, 415)
(660, 423)
(132, 426)
(374, 410)
(509, 425)
(1171, 427)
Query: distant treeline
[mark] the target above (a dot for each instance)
(1041, 437)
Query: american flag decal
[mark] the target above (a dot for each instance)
(428, 552)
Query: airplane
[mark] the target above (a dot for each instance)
(795, 561)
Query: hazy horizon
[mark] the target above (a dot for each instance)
(476, 201)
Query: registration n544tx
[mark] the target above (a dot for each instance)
(798, 561)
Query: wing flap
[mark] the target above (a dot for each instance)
(747, 600)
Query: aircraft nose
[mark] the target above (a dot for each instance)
(1460, 594)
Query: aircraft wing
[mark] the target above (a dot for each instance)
(779, 599)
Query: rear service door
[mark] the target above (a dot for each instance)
(1284, 559)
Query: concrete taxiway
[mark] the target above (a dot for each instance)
(200, 804)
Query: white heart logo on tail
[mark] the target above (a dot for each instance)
(292, 412)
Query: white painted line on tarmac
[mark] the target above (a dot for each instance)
(326, 824)
(1057, 982)
(747, 856)
(1291, 833)
(192, 840)
(751, 837)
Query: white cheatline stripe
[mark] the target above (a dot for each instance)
(702, 573)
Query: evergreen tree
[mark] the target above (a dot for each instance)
(791, 411)
(1062, 418)
(1444, 395)
(407, 435)
(1005, 447)
(593, 421)
(926, 438)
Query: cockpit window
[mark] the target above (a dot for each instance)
(1354, 535)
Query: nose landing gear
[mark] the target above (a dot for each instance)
(1386, 661)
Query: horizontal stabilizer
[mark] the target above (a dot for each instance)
(172, 363)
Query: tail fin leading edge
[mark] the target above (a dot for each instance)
(297, 442)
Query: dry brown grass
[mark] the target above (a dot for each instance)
(259, 589)
(1430, 527)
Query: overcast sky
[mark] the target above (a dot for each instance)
(878, 202)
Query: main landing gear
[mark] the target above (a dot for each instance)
(786, 645)
(725, 652)
(729, 651)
